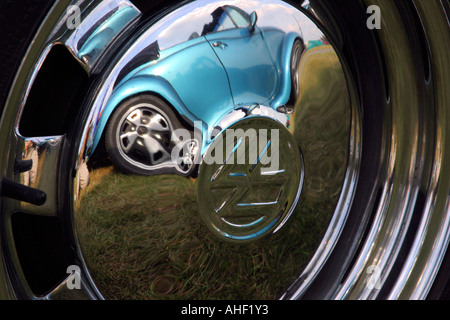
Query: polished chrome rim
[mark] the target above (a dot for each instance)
(391, 221)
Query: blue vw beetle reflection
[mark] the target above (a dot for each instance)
(228, 64)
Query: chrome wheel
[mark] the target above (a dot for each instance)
(366, 210)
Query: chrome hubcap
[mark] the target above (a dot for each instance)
(242, 199)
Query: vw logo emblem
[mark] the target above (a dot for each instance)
(250, 180)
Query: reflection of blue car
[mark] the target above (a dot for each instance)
(230, 63)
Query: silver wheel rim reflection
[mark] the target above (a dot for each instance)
(148, 127)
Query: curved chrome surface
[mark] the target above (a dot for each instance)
(184, 46)
(433, 235)
(404, 179)
(314, 178)
(152, 225)
(92, 27)
(402, 165)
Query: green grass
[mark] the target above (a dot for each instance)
(147, 243)
(142, 237)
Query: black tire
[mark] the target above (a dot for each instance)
(139, 160)
(19, 21)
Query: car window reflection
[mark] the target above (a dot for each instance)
(226, 18)
(225, 22)
(239, 17)
(221, 21)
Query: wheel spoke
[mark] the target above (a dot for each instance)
(131, 137)
(68, 289)
(158, 123)
(135, 117)
(44, 153)
(156, 151)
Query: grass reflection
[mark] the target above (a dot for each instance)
(322, 122)
(148, 242)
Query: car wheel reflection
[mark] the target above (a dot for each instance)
(139, 137)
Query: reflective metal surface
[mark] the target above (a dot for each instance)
(247, 193)
(219, 200)
(151, 196)
(183, 56)
(433, 235)
(92, 27)
(44, 153)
